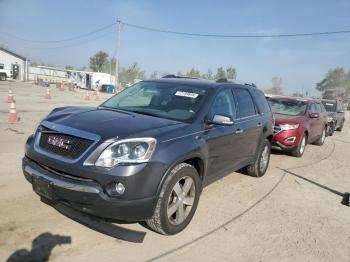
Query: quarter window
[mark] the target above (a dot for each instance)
(245, 103)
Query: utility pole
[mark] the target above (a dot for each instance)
(117, 50)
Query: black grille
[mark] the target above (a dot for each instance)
(276, 129)
(73, 147)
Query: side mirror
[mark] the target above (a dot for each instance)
(221, 120)
(314, 115)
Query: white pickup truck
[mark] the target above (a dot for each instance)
(4, 74)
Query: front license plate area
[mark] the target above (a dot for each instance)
(43, 187)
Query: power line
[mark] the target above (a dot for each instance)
(62, 40)
(235, 36)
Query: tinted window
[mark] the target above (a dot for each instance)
(330, 106)
(245, 103)
(224, 104)
(261, 101)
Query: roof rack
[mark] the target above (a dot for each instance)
(223, 80)
(176, 76)
(250, 84)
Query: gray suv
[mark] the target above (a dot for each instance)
(146, 153)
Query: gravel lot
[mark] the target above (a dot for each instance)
(279, 217)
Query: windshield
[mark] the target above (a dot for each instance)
(166, 100)
(288, 107)
(330, 106)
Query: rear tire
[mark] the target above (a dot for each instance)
(321, 140)
(261, 163)
(178, 200)
(330, 129)
(2, 77)
(300, 149)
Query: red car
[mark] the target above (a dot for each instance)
(298, 122)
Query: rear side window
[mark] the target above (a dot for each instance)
(261, 101)
(245, 103)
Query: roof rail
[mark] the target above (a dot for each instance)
(223, 80)
(250, 84)
(176, 76)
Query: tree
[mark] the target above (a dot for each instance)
(276, 88)
(154, 75)
(220, 73)
(69, 67)
(208, 74)
(193, 73)
(336, 79)
(131, 73)
(231, 73)
(98, 60)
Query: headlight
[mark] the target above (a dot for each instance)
(289, 127)
(134, 150)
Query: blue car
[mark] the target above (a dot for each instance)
(146, 153)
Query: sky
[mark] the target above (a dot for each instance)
(300, 62)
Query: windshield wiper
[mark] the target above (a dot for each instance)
(114, 109)
(144, 113)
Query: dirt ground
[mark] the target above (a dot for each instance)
(293, 213)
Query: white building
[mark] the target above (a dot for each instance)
(16, 63)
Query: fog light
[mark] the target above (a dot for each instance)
(290, 139)
(119, 187)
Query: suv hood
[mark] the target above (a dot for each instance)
(283, 119)
(108, 123)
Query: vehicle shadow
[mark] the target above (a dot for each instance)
(42, 246)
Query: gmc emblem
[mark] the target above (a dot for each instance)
(59, 142)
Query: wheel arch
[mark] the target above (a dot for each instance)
(196, 161)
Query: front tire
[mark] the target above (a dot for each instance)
(300, 149)
(178, 200)
(261, 163)
(330, 129)
(340, 128)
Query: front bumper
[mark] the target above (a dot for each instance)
(84, 195)
(286, 140)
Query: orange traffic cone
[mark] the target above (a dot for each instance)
(87, 96)
(10, 98)
(62, 86)
(48, 95)
(98, 97)
(13, 113)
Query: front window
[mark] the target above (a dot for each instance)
(166, 100)
(330, 106)
(288, 107)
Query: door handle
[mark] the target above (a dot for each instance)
(239, 131)
(259, 125)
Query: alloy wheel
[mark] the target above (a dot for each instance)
(181, 200)
(264, 158)
(302, 145)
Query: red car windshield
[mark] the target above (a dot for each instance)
(287, 107)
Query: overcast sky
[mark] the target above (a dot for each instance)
(301, 62)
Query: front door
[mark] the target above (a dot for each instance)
(223, 141)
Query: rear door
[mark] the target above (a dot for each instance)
(250, 123)
(340, 113)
